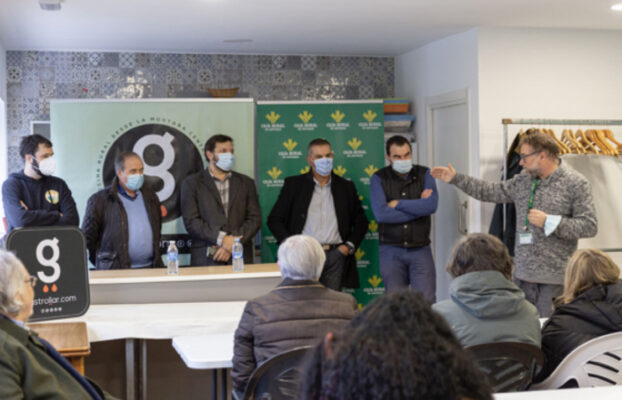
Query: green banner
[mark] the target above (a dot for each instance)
(168, 134)
(355, 130)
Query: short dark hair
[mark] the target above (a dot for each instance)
(30, 144)
(396, 140)
(396, 348)
(317, 142)
(210, 145)
(480, 252)
(119, 161)
(540, 141)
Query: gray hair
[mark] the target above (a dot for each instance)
(12, 277)
(301, 257)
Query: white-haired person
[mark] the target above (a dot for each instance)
(298, 312)
(30, 368)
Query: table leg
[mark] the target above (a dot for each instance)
(142, 350)
(130, 371)
(224, 384)
(214, 383)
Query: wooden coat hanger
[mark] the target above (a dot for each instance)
(587, 145)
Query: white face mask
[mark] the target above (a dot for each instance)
(47, 167)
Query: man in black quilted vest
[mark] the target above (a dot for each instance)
(403, 196)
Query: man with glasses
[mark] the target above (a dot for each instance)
(554, 209)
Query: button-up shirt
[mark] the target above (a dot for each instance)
(321, 220)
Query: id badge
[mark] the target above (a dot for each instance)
(525, 238)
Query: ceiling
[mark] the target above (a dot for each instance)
(330, 27)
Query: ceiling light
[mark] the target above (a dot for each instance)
(617, 7)
(50, 5)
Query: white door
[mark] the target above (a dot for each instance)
(448, 127)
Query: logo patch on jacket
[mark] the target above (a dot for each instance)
(51, 196)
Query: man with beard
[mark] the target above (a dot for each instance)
(33, 197)
(554, 208)
(219, 205)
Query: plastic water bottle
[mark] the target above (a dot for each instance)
(238, 256)
(172, 255)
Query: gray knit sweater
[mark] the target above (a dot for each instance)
(565, 192)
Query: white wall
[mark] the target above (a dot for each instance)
(441, 67)
(543, 73)
(3, 126)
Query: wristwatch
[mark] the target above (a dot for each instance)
(351, 247)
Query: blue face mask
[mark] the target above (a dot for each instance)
(323, 166)
(135, 182)
(402, 166)
(225, 161)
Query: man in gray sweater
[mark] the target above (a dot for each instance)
(554, 208)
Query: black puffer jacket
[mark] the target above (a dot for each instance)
(106, 231)
(595, 312)
(295, 313)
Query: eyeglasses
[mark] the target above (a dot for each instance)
(32, 280)
(523, 157)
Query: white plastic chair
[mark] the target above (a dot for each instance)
(594, 363)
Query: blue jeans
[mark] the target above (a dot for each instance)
(402, 267)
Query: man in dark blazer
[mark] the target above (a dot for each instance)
(327, 207)
(218, 205)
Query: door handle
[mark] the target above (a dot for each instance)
(462, 228)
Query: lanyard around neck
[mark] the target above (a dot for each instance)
(534, 185)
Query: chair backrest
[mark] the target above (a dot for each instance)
(597, 362)
(277, 378)
(509, 366)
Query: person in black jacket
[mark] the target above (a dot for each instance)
(122, 222)
(326, 207)
(590, 306)
(34, 197)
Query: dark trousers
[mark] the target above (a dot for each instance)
(334, 265)
(540, 295)
(402, 267)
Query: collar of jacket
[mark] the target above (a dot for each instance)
(289, 283)
(113, 188)
(16, 331)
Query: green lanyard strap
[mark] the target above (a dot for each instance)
(534, 185)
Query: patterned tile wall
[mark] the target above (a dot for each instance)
(33, 78)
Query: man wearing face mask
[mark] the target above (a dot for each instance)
(122, 222)
(34, 197)
(218, 205)
(326, 207)
(403, 196)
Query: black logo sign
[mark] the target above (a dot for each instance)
(57, 257)
(169, 157)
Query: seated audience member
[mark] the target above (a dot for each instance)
(485, 306)
(397, 348)
(122, 222)
(30, 368)
(298, 312)
(590, 306)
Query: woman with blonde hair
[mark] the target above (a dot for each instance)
(590, 306)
